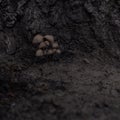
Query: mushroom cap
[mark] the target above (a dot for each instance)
(58, 51)
(47, 43)
(54, 50)
(37, 39)
(50, 52)
(50, 38)
(42, 45)
(55, 45)
(39, 52)
(45, 52)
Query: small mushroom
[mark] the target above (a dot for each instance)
(50, 38)
(45, 52)
(58, 51)
(42, 45)
(55, 45)
(37, 39)
(50, 52)
(54, 50)
(47, 43)
(39, 52)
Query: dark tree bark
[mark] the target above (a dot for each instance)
(85, 24)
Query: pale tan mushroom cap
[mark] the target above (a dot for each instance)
(55, 45)
(39, 52)
(47, 43)
(58, 51)
(50, 52)
(37, 39)
(45, 52)
(54, 50)
(42, 45)
(50, 38)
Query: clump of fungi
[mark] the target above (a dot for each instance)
(46, 45)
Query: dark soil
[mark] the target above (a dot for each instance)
(73, 88)
(83, 83)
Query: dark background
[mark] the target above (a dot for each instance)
(83, 82)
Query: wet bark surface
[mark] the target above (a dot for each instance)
(81, 83)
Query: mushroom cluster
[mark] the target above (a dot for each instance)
(46, 45)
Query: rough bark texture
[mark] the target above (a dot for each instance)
(86, 24)
(65, 88)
